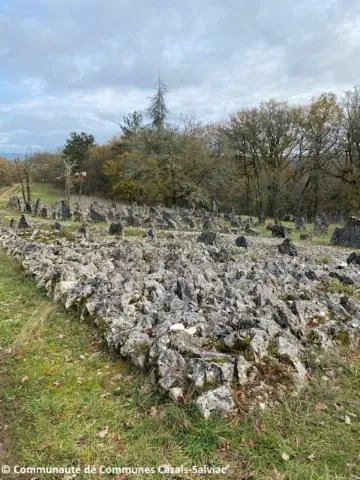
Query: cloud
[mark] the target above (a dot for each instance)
(81, 65)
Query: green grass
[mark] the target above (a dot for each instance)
(47, 193)
(67, 403)
(317, 239)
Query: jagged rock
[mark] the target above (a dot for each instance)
(311, 275)
(353, 258)
(242, 242)
(116, 228)
(321, 223)
(235, 222)
(190, 221)
(220, 255)
(288, 248)
(84, 230)
(37, 207)
(278, 231)
(299, 222)
(207, 237)
(97, 215)
(62, 211)
(78, 216)
(242, 368)
(217, 400)
(151, 233)
(14, 202)
(132, 221)
(171, 224)
(350, 305)
(25, 222)
(57, 227)
(44, 213)
(342, 278)
(288, 347)
(208, 225)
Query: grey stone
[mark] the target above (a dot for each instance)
(97, 215)
(353, 258)
(299, 222)
(116, 228)
(278, 230)
(217, 400)
(242, 242)
(207, 237)
(25, 222)
(288, 248)
(321, 223)
(242, 368)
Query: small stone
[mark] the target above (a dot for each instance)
(242, 242)
(217, 400)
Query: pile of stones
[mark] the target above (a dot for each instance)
(201, 312)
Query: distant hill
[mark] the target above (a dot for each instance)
(12, 156)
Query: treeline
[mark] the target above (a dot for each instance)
(271, 159)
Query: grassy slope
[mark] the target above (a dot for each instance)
(47, 193)
(67, 403)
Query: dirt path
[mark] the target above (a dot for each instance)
(6, 193)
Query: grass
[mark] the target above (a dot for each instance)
(66, 402)
(47, 193)
(317, 239)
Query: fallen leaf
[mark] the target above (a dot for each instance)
(260, 426)
(311, 457)
(321, 407)
(251, 443)
(119, 442)
(25, 378)
(347, 419)
(57, 383)
(44, 446)
(285, 456)
(105, 395)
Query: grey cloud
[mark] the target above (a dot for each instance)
(68, 64)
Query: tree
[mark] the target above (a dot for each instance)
(75, 154)
(23, 173)
(5, 173)
(77, 146)
(322, 130)
(157, 109)
(132, 124)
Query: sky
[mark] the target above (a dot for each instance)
(81, 65)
